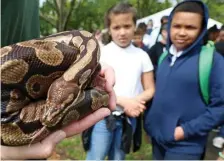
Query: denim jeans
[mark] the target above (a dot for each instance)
(106, 143)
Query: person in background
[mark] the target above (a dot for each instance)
(134, 86)
(179, 119)
(220, 37)
(218, 141)
(149, 27)
(213, 33)
(98, 35)
(219, 44)
(155, 35)
(156, 50)
(138, 39)
(146, 37)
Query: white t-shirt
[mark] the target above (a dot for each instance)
(128, 63)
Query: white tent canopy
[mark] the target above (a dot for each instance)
(157, 16)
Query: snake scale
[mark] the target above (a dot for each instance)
(46, 83)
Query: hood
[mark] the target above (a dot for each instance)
(199, 41)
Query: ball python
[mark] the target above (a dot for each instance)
(47, 83)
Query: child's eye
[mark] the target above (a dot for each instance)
(191, 27)
(116, 28)
(176, 26)
(127, 26)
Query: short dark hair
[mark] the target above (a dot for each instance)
(143, 26)
(120, 8)
(163, 19)
(189, 6)
(139, 31)
(212, 29)
(222, 28)
(150, 20)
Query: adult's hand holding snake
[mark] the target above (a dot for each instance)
(52, 88)
(45, 148)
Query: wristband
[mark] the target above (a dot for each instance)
(221, 155)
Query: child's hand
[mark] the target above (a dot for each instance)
(178, 133)
(133, 107)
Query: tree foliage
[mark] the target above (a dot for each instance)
(61, 15)
(216, 9)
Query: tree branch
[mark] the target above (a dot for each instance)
(72, 4)
(48, 20)
(56, 7)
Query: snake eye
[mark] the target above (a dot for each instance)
(36, 87)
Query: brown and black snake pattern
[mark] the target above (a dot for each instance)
(46, 83)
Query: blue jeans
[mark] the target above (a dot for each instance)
(159, 153)
(106, 143)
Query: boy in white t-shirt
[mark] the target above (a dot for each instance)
(134, 86)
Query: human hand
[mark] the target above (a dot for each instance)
(108, 73)
(178, 133)
(133, 107)
(105, 80)
(45, 148)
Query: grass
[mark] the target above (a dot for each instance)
(71, 149)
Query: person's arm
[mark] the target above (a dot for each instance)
(153, 55)
(45, 148)
(214, 114)
(133, 107)
(148, 86)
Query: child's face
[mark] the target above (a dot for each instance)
(122, 29)
(164, 34)
(185, 28)
(138, 40)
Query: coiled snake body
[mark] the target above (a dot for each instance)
(47, 83)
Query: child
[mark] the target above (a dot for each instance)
(160, 46)
(132, 66)
(138, 39)
(179, 120)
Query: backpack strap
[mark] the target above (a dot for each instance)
(205, 66)
(164, 54)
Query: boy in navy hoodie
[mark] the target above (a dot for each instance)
(179, 120)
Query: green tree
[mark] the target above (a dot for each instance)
(60, 15)
(148, 7)
(56, 14)
(216, 8)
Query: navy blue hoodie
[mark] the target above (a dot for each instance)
(178, 101)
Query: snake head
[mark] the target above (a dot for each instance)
(60, 95)
(54, 113)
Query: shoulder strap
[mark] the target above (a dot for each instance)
(164, 54)
(205, 66)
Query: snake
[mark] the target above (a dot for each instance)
(47, 83)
